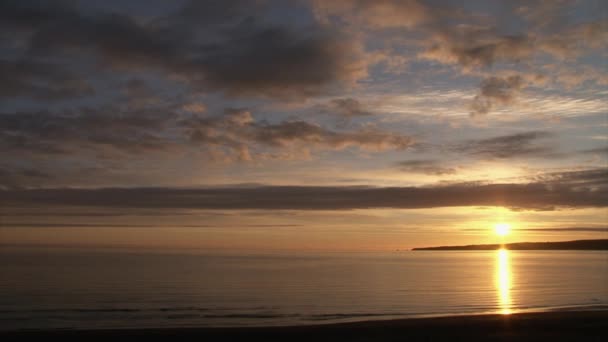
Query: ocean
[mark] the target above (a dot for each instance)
(77, 289)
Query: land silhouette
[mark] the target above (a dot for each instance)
(580, 245)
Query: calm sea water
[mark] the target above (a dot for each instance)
(75, 289)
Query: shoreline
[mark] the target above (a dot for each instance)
(554, 326)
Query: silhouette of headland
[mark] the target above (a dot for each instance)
(579, 245)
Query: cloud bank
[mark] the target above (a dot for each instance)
(579, 189)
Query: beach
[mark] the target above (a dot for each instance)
(545, 326)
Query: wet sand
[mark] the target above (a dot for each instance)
(548, 326)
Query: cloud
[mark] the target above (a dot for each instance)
(378, 14)
(587, 188)
(496, 90)
(451, 35)
(131, 225)
(598, 150)
(232, 53)
(591, 178)
(194, 107)
(477, 42)
(554, 229)
(280, 62)
(568, 229)
(87, 128)
(574, 40)
(347, 108)
(508, 146)
(14, 177)
(476, 47)
(576, 76)
(141, 86)
(238, 132)
(472, 43)
(132, 130)
(137, 88)
(40, 80)
(424, 166)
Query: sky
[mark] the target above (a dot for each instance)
(261, 125)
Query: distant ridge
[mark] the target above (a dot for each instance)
(584, 245)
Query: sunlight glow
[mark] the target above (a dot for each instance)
(503, 281)
(502, 228)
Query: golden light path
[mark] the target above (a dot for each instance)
(503, 281)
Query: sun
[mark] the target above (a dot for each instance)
(502, 228)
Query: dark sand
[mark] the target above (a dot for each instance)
(550, 326)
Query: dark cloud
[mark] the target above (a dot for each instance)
(591, 178)
(598, 150)
(205, 13)
(280, 62)
(496, 90)
(477, 47)
(571, 190)
(347, 108)
(131, 130)
(501, 89)
(131, 225)
(509, 146)
(15, 177)
(40, 80)
(428, 167)
(68, 131)
(233, 52)
(238, 131)
(136, 88)
(97, 214)
(290, 132)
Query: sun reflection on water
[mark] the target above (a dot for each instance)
(503, 281)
